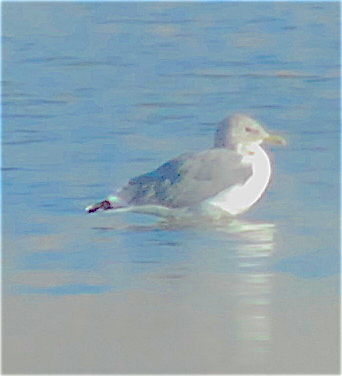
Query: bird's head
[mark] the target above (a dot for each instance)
(240, 129)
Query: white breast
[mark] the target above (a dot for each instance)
(239, 198)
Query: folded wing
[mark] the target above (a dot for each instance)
(187, 180)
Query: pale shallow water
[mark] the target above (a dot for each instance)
(94, 94)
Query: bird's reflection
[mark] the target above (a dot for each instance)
(252, 244)
(254, 289)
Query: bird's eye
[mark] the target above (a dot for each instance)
(251, 130)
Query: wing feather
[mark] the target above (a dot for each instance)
(188, 179)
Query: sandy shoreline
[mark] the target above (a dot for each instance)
(200, 323)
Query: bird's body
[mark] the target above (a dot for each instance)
(230, 177)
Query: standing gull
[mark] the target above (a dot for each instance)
(230, 177)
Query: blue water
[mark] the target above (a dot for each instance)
(96, 93)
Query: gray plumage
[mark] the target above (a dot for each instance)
(187, 180)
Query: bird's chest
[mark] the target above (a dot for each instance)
(240, 197)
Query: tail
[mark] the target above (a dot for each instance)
(112, 202)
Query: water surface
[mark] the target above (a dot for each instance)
(96, 93)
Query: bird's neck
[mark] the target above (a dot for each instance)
(248, 149)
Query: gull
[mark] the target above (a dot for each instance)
(228, 178)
